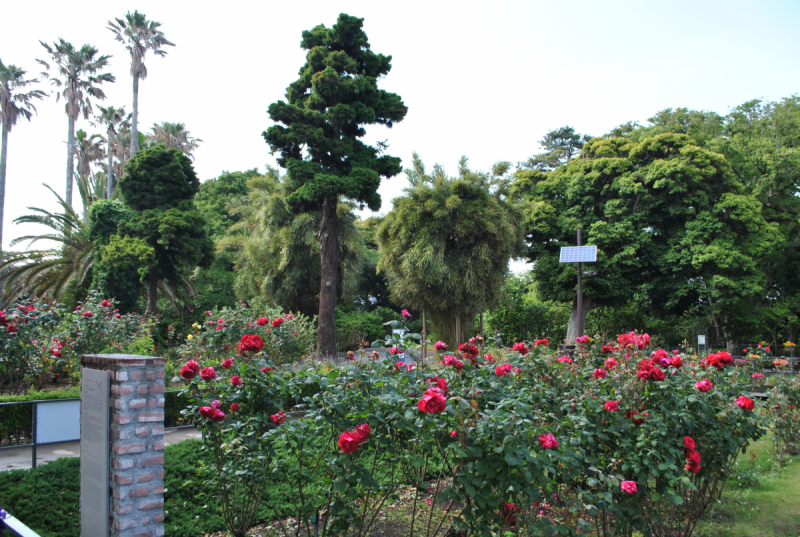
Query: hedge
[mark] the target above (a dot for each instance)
(16, 425)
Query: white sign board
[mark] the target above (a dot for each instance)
(94, 453)
(59, 421)
(701, 340)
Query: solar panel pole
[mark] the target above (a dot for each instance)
(580, 293)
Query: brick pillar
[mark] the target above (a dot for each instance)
(136, 442)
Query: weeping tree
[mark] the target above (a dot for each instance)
(318, 133)
(446, 244)
(273, 245)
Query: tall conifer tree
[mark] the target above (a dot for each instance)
(318, 133)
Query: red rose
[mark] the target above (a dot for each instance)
(692, 467)
(359, 435)
(583, 340)
(542, 341)
(432, 401)
(611, 363)
(745, 403)
(548, 441)
(267, 369)
(187, 372)
(503, 369)
(631, 414)
(250, 343)
(441, 383)
(105, 303)
(236, 381)
(599, 373)
(227, 363)
(208, 374)
(86, 314)
(278, 418)
(612, 406)
(218, 415)
(234, 407)
(364, 428)
(453, 434)
(688, 443)
(262, 321)
(347, 442)
(693, 457)
(469, 349)
(450, 360)
(704, 385)
(676, 361)
(508, 511)
(277, 322)
(207, 411)
(521, 348)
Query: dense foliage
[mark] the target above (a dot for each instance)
(446, 244)
(615, 439)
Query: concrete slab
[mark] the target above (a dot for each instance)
(20, 458)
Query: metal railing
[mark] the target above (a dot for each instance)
(35, 426)
(8, 522)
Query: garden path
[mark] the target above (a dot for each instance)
(19, 458)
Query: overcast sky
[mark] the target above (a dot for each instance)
(482, 79)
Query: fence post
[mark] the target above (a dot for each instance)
(33, 434)
(136, 443)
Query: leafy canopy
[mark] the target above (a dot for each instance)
(446, 244)
(320, 124)
(669, 217)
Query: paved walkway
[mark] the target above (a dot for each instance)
(19, 458)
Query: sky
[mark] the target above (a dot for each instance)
(481, 79)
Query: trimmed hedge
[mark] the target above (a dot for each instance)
(16, 423)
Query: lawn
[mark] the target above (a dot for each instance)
(770, 508)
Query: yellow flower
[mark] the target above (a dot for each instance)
(189, 336)
(788, 344)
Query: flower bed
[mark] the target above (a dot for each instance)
(615, 438)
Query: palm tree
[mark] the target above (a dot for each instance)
(13, 105)
(78, 75)
(48, 273)
(111, 117)
(122, 148)
(174, 135)
(138, 35)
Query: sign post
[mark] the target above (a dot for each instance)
(579, 254)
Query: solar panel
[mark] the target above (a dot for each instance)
(578, 254)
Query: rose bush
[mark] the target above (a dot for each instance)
(639, 449)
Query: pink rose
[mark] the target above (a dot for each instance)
(611, 363)
(599, 373)
(628, 486)
(278, 418)
(612, 406)
(440, 346)
(548, 441)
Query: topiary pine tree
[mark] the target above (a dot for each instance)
(158, 187)
(317, 136)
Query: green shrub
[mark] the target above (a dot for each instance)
(46, 499)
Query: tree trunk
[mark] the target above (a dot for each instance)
(135, 121)
(152, 292)
(572, 327)
(424, 335)
(110, 172)
(70, 161)
(329, 263)
(3, 152)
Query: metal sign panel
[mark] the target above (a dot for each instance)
(94, 453)
(701, 340)
(578, 254)
(59, 421)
